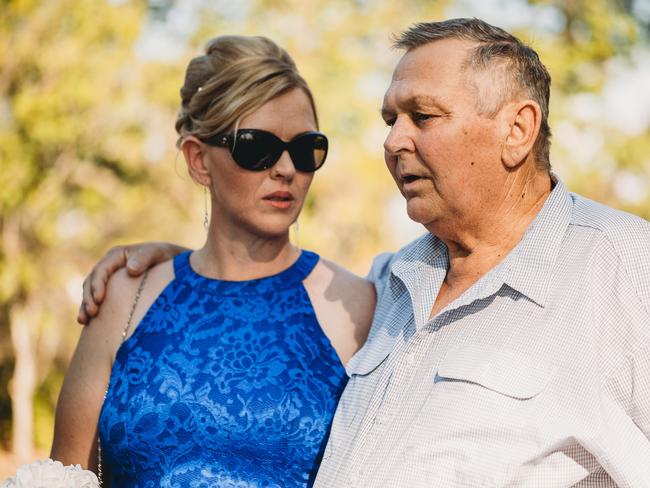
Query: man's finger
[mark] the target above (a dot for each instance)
(134, 263)
(91, 309)
(98, 282)
(82, 317)
(144, 257)
(114, 260)
(87, 297)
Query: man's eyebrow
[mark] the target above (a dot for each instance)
(416, 102)
(424, 101)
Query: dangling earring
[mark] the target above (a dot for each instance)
(296, 234)
(206, 222)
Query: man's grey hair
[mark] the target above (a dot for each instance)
(515, 68)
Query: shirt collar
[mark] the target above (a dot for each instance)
(422, 265)
(528, 267)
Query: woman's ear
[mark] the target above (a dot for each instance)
(196, 159)
(524, 122)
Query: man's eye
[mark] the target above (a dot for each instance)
(420, 117)
(389, 122)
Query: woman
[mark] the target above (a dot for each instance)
(224, 365)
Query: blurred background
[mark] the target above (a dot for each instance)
(88, 97)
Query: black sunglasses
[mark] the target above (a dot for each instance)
(257, 150)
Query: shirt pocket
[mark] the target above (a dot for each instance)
(510, 373)
(483, 403)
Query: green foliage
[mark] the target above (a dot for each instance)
(585, 58)
(45, 403)
(6, 368)
(75, 116)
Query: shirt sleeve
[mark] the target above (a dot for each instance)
(380, 271)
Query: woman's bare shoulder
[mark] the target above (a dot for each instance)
(121, 292)
(125, 291)
(337, 280)
(344, 304)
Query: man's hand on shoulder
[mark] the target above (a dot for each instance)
(136, 258)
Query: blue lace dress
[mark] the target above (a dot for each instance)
(222, 384)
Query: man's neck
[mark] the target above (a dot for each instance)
(474, 249)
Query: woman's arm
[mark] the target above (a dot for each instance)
(86, 380)
(344, 304)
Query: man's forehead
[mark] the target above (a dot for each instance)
(426, 76)
(447, 52)
(428, 67)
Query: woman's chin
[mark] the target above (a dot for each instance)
(273, 228)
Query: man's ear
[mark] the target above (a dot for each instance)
(525, 118)
(196, 159)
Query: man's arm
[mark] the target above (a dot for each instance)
(135, 257)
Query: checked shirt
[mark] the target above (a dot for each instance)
(538, 376)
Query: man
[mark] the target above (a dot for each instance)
(511, 343)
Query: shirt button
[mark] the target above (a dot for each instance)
(410, 358)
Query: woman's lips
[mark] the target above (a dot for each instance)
(280, 199)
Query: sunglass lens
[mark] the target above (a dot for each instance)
(255, 151)
(308, 152)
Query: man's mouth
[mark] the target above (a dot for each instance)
(411, 184)
(410, 178)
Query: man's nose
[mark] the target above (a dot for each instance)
(400, 137)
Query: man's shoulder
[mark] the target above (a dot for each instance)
(624, 231)
(623, 236)
(590, 213)
(382, 264)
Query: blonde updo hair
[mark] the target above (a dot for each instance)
(235, 77)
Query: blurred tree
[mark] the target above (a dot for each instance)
(600, 108)
(76, 122)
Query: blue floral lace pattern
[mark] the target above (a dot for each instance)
(222, 384)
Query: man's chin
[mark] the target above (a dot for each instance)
(419, 212)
